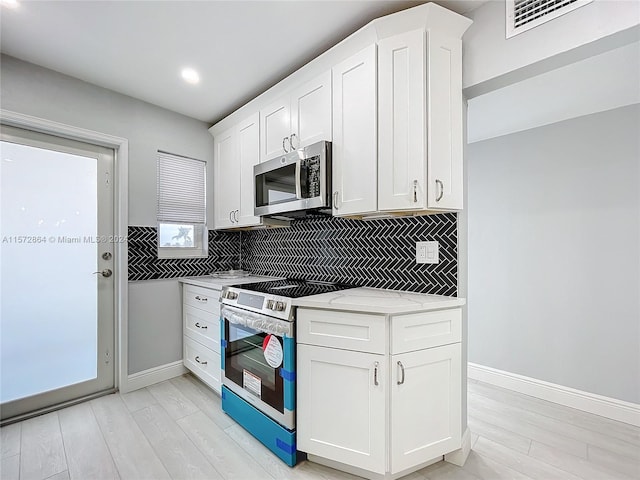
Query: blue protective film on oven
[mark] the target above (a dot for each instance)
(274, 436)
(288, 373)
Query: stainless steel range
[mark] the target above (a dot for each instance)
(258, 358)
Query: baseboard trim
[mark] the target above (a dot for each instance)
(612, 408)
(153, 375)
(458, 457)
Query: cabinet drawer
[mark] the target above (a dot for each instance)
(360, 332)
(203, 362)
(425, 330)
(202, 326)
(204, 298)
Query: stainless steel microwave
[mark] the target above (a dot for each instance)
(292, 184)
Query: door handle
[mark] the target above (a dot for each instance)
(335, 200)
(401, 381)
(105, 273)
(291, 141)
(439, 183)
(203, 327)
(375, 374)
(284, 146)
(199, 361)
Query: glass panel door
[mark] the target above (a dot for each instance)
(246, 366)
(56, 271)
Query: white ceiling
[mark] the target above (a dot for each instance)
(138, 48)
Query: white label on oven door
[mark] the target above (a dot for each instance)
(272, 351)
(251, 383)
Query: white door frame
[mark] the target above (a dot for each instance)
(121, 218)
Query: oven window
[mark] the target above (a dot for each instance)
(246, 366)
(276, 186)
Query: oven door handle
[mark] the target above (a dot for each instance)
(255, 321)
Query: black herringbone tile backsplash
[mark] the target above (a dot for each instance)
(375, 253)
(144, 264)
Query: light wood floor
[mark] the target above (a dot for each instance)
(176, 430)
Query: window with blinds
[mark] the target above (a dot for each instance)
(182, 201)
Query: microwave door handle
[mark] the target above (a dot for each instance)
(298, 180)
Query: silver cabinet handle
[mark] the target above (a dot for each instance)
(439, 197)
(203, 327)
(198, 360)
(105, 273)
(284, 146)
(335, 200)
(375, 373)
(415, 191)
(230, 217)
(291, 141)
(236, 216)
(201, 299)
(401, 381)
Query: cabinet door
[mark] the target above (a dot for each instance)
(311, 112)
(248, 156)
(355, 146)
(341, 410)
(402, 161)
(425, 405)
(444, 142)
(275, 128)
(226, 178)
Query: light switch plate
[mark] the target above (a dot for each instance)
(427, 252)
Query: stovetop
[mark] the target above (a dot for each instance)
(293, 288)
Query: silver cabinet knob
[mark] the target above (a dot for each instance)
(105, 273)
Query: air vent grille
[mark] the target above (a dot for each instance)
(523, 15)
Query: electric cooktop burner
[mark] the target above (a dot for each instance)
(293, 288)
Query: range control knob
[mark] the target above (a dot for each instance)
(270, 304)
(279, 307)
(232, 295)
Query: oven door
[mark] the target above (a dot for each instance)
(258, 362)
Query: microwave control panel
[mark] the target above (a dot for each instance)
(310, 177)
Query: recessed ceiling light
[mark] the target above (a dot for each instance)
(189, 75)
(9, 3)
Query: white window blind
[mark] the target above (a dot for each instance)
(181, 189)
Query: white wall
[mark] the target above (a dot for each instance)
(33, 90)
(491, 61)
(37, 91)
(554, 253)
(596, 84)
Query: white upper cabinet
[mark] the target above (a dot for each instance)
(355, 134)
(298, 119)
(391, 104)
(235, 154)
(275, 121)
(248, 156)
(420, 115)
(402, 122)
(226, 174)
(444, 139)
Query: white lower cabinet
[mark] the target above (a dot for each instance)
(201, 333)
(341, 406)
(386, 412)
(425, 405)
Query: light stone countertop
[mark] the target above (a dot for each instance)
(375, 300)
(217, 283)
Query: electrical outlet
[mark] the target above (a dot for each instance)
(427, 252)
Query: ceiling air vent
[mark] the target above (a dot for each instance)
(523, 15)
